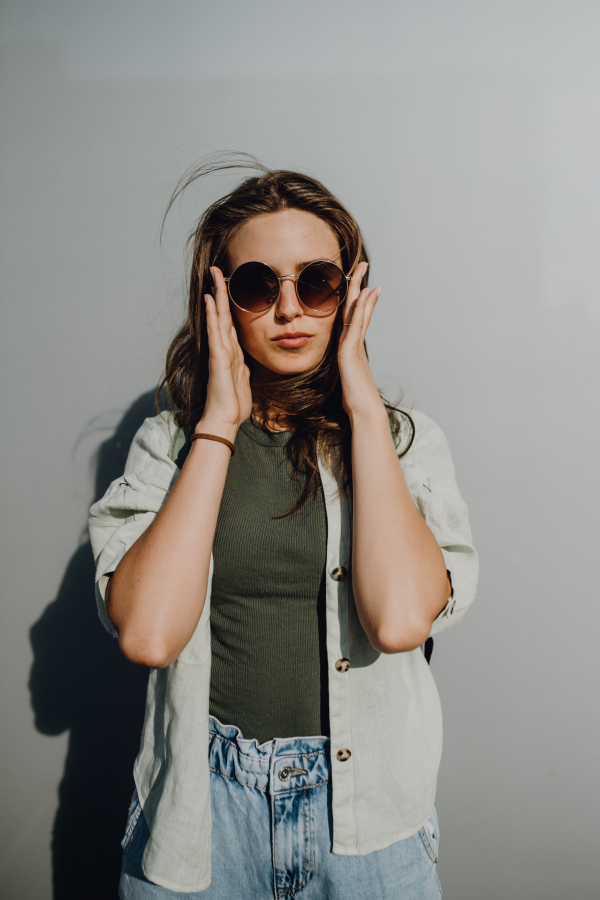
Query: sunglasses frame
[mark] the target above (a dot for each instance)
(295, 279)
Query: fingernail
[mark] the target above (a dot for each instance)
(365, 267)
(378, 292)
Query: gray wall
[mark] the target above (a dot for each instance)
(465, 136)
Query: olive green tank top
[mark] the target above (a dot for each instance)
(269, 671)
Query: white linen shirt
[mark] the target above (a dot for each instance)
(385, 708)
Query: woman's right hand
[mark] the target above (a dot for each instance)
(228, 397)
(158, 590)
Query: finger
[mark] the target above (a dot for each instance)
(222, 301)
(369, 309)
(354, 290)
(215, 338)
(356, 280)
(354, 319)
(235, 341)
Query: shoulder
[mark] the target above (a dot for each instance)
(149, 470)
(154, 440)
(158, 429)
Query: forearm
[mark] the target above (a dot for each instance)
(158, 590)
(399, 574)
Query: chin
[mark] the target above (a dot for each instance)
(293, 367)
(289, 366)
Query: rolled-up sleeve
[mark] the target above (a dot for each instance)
(429, 473)
(131, 502)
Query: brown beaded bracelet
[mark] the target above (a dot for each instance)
(214, 437)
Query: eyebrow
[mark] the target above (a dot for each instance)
(303, 265)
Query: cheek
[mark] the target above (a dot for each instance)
(328, 324)
(326, 327)
(254, 333)
(246, 333)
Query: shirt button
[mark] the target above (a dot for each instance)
(343, 664)
(339, 574)
(343, 755)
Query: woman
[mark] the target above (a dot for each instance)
(311, 566)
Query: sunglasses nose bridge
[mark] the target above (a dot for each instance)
(283, 278)
(288, 303)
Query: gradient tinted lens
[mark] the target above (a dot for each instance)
(322, 286)
(254, 286)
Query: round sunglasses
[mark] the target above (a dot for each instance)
(321, 286)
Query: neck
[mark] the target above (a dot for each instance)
(272, 418)
(262, 375)
(273, 421)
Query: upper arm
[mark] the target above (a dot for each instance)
(429, 473)
(131, 503)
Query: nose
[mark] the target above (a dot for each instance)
(288, 306)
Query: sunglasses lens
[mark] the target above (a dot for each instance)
(322, 286)
(253, 286)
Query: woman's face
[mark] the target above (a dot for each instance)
(286, 339)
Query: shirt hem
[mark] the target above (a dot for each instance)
(176, 886)
(341, 850)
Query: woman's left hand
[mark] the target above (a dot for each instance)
(360, 394)
(399, 575)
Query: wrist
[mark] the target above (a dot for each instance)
(372, 416)
(222, 429)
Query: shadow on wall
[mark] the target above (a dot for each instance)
(81, 682)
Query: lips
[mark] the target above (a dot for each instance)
(289, 340)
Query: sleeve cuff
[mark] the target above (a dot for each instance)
(101, 584)
(441, 621)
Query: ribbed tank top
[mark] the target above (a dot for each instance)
(269, 671)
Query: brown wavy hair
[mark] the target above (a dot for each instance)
(312, 401)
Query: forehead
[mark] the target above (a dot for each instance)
(284, 240)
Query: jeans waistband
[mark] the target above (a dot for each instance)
(282, 764)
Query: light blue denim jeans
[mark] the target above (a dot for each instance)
(271, 833)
